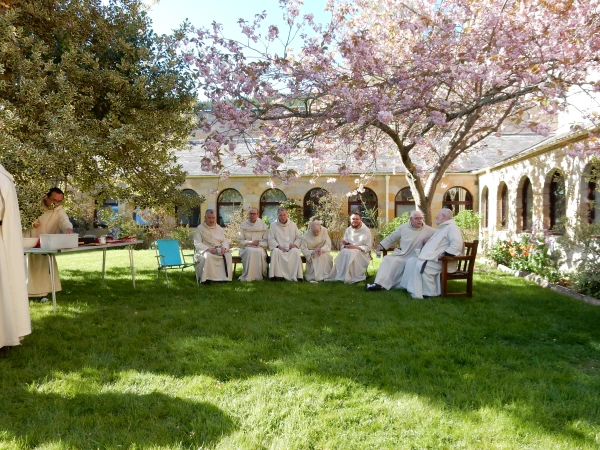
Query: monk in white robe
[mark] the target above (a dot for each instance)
(315, 247)
(53, 220)
(354, 257)
(284, 243)
(421, 274)
(212, 254)
(253, 246)
(15, 322)
(411, 236)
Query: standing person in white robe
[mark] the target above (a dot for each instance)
(315, 247)
(411, 235)
(421, 274)
(284, 243)
(212, 251)
(253, 245)
(53, 220)
(15, 322)
(354, 257)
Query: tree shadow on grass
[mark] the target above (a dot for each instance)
(513, 347)
(111, 420)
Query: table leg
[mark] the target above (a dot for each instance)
(130, 248)
(51, 264)
(103, 264)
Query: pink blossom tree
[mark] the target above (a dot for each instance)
(426, 80)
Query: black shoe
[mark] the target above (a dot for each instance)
(374, 287)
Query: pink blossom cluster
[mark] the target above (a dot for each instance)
(426, 80)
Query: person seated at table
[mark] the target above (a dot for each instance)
(212, 254)
(253, 245)
(421, 274)
(354, 257)
(284, 242)
(53, 220)
(315, 247)
(411, 235)
(15, 322)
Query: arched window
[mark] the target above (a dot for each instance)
(526, 206)
(311, 200)
(556, 202)
(228, 202)
(269, 202)
(485, 207)
(362, 201)
(405, 202)
(593, 203)
(458, 199)
(502, 215)
(190, 217)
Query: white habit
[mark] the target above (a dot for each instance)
(14, 305)
(285, 264)
(350, 264)
(317, 267)
(211, 267)
(421, 281)
(52, 221)
(392, 266)
(254, 259)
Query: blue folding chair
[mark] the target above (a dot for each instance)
(170, 256)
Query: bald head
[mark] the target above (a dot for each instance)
(315, 227)
(444, 215)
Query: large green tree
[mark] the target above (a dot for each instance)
(91, 98)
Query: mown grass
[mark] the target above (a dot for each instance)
(298, 365)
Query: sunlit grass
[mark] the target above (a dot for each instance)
(298, 365)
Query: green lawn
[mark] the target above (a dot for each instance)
(299, 366)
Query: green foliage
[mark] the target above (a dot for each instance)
(585, 242)
(500, 252)
(390, 227)
(184, 234)
(91, 98)
(121, 224)
(233, 228)
(295, 212)
(468, 222)
(329, 210)
(530, 253)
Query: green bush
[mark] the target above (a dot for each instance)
(184, 234)
(530, 253)
(585, 240)
(390, 227)
(468, 222)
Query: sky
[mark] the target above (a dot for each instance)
(166, 15)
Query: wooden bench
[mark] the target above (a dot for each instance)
(238, 259)
(466, 266)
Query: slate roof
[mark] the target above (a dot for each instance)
(492, 151)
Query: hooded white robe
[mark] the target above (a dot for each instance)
(211, 267)
(350, 264)
(285, 264)
(392, 266)
(317, 267)
(15, 321)
(447, 239)
(254, 259)
(52, 221)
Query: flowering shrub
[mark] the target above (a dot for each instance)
(585, 240)
(529, 253)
